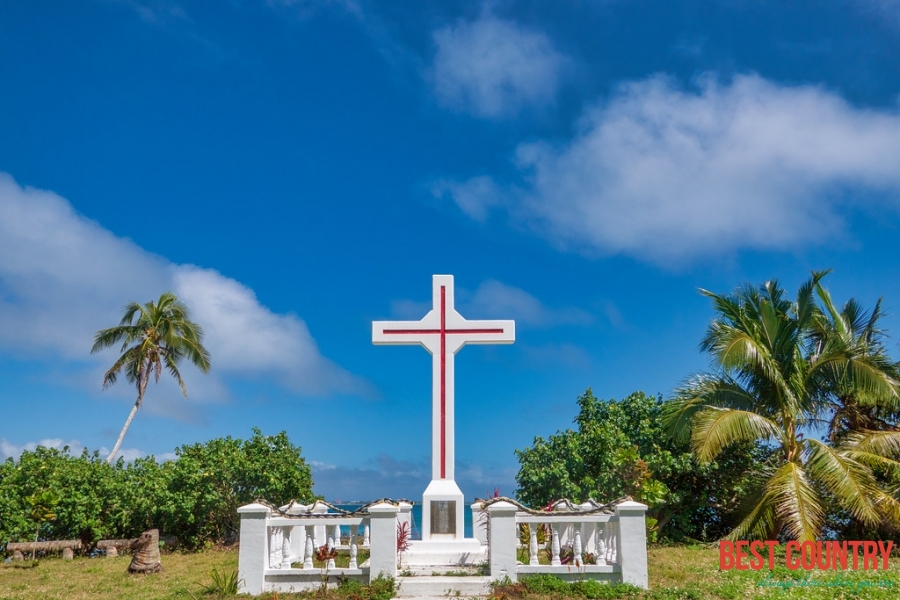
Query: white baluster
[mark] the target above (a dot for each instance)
(532, 544)
(308, 550)
(353, 549)
(554, 558)
(337, 536)
(600, 545)
(330, 545)
(286, 548)
(366, 536)
(274, 547)
(299, 544)
(611, 555)
(576, 548)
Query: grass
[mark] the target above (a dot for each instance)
(183, 576)
(676, 573)
(692, 573)
(341, 561)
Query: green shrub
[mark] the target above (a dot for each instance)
(547, 584)
(382, 588)
(591, 588)
(194, 498)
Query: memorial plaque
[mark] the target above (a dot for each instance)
(443, 516)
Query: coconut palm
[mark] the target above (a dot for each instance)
(851, 408)
(779, 368)
(153, 336)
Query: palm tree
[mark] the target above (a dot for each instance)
(853, 409)
(779, 370)
(153, 336)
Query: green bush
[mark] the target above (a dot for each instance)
(382, 588)
(194, 498)
(620, 448)
(591, 588)
(547, 584)
(550, 585)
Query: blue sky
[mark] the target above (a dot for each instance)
(295, 169)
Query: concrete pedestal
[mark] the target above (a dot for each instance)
(443, 530)
(442, 511)
(465, 551)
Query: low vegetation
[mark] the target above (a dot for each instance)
(676, 573)
(194, 498)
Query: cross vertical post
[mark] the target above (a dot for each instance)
(443, 332)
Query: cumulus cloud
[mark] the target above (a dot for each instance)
(667, 174)
(75, 448)
(494, 68)
(496, 300)
(64, 277)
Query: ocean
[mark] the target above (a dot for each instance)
(417, 519)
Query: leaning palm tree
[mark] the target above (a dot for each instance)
(777, 373)
(153, 336)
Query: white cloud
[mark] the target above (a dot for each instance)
(496, 300)
(75, 448)
(64, 277)
(495, 68)
(10, 450)
(246, 338)
(668, 175)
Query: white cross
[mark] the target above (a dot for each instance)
(443, 331)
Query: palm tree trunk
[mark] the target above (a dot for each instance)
(142, 385)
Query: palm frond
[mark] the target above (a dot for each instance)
(852, 483)
(888, 506)
(796, 504)
(760, 523)
(881, 443)
(716, 428)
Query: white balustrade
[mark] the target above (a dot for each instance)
(533, 544)
(582, 543)
(554, 546)
(353, 550)
(330, 545)
(278, 547)
(576, 550)
(286, 547)
(275, 534)
(308, 549)
(600, 549)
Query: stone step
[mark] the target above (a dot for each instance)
(443, 587)
(441, 570)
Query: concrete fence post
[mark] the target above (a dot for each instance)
(383, 540)
(253, 554)
(405, 515)
(479, 526)
(502, 540)
(632, 543)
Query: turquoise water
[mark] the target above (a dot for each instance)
(417, 519)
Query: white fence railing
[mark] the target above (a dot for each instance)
(278, 547)
(581, 544)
